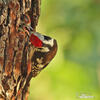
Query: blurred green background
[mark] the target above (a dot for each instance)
(75, 70)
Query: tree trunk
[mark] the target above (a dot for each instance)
(14, 46)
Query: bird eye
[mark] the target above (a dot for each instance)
(47, 38)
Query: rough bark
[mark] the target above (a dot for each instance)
(14, 47)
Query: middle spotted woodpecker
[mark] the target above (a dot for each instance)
(45, 49)
(42, 48)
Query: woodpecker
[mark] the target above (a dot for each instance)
(44, 52)
(42, 48)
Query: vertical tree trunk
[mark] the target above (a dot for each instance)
(14, 46)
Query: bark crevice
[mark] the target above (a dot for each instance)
(15, 49)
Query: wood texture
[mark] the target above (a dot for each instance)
(14, 47)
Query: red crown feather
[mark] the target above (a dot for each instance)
(35, 41)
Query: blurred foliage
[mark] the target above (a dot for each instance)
(75, 70)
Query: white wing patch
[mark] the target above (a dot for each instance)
(40, 60)
(43, 49)
(49, 42)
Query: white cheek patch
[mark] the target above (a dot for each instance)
(49, 42)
